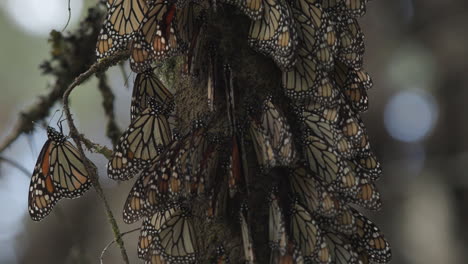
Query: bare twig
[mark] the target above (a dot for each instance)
(112, 242)
(97, 67)
(96, 148)
(16, 165)
(69, 16)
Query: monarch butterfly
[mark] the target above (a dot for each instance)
(246, 235)
(305, 232)
(366, 166)
(345, 147)
(276, 125)
(122, 21)
(351, 43)
(369, 237)
(323, 160)
(170, 236)
(311, 193)
(366, 195)
(157, 37)
(329, 113)
(150, 193)
(305, 79)
(274, 33)
(354, 84)
(342, 251)
(147, 85)
(180, 170)
(136, 204)
(276, 225)
(59, 173)
(350, 125)
(315, 32)
(315, 124)
(344, 222)
(252, 8)
(140, 143)
(190, 22)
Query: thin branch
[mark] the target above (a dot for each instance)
(69, 16)
(96, 148)
(16, 165)
(97, 67)
(112, 242)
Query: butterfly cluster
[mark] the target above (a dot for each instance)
(314, 135)
(303, 152)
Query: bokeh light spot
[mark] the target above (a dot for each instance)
(410, 115)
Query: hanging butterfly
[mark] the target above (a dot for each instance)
(351, 43)
(170, 236)
(306, 79)
(274, 34)
(140, 143)
(311, 193)
(354, 84)
(149, 193)
(180, 170)
(123, 19)
(276, 125)
(366, 195)
(190, 22)
(305, 233)
(316, 34)
(157, 37)
(137, 202)
(147, 85)
(344, 222)
(59, 173)
(272, 137)
(342, 251)
(324, 161)
(314, 123)
(369, 237)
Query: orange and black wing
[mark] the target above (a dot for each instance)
(43, 195)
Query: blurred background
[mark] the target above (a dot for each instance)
(416, 52)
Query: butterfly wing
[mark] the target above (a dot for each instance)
(140, 143)
(67, 170)
(43, 194)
